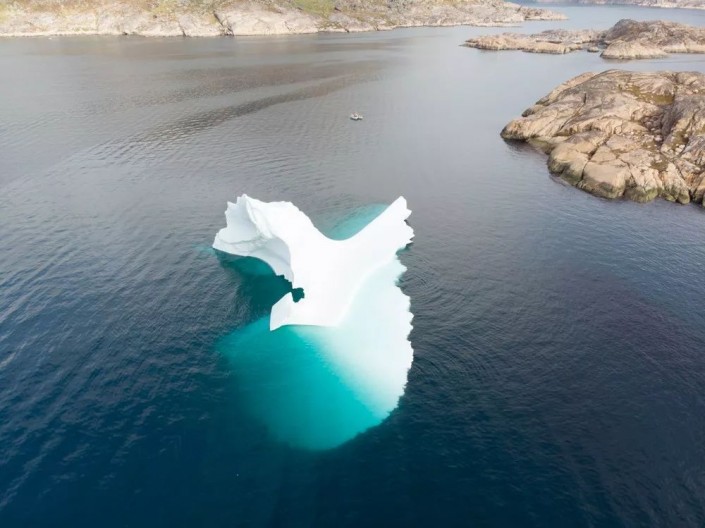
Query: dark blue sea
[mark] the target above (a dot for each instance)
(559, 357)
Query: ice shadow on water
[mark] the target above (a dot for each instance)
(257, 285)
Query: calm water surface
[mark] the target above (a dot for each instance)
(559, 371)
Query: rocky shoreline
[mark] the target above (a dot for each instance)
(666, 4)
(623, 134)
(225, 18)
(628, 39)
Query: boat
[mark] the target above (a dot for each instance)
(356, 117)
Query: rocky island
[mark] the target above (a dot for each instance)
(255, 17)
(623, 134)
(627, 39)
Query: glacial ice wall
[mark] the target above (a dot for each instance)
(323, 369)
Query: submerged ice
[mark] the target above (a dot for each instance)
(330, 364)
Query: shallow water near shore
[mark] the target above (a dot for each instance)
(558, 372)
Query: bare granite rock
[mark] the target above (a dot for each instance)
(671, 37)
(250, 17)
(552, 41)
(632, 50)
(623, 134)
(628, 39)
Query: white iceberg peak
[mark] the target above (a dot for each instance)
(330, 272)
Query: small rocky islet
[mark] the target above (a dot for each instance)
(628, 39)
(624, 134)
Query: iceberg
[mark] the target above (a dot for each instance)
(332, 363)
(330, 272)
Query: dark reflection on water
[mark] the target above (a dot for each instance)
(226, 81)
(196, 123)
(558, 373)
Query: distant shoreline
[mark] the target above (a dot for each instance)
(257, 19)
(636, 3)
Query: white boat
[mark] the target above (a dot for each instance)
(356, 117)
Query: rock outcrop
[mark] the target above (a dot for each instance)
(628, 39)
(670, 37)
(623, 134)
(201, 18)
(555, 41)
(622, 50)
